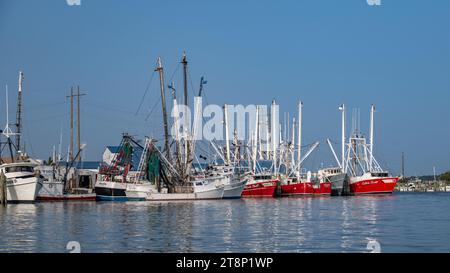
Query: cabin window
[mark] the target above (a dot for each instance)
(19, 169)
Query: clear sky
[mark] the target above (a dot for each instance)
(324, 52)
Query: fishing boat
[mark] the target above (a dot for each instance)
(366, 175)
(337, 179)
(206, 189)
(113, 180)
(22, 181)
(261, 185)
(236, 182)
(66, 183)
(173, 174)
(52, 191)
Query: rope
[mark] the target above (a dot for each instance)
(145, 93)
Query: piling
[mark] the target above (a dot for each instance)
(3, 189)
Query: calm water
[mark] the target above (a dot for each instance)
(403, 222)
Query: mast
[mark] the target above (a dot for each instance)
(403, 166)
(372, 112)
(299, 140)
(255, 141)
(292, 146)
(274, 136)
(185, 63)
(176, 125)
(60, 145)
(71, 125)
(237, 153)
(78, 123)
(188, 143)
(342, 108)
(160, 70)
(227, 144)
(19, 113)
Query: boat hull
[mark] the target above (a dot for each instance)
(22, 189)
(373, 186)
(67, 197)
(339, 185)
(138, 192)
(234, 190)
(110, 191)
(260, 189)
(302, 188)
(323, 188)
(53, 191)
(306, 188)
(212, 194)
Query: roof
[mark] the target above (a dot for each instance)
(82, 165)
(113, 149)
(91, 165)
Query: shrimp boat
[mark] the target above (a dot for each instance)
(22, 180)
(115, 182)
(205, 189)
(366, 175)
(261, 185)
(66, 183)
(295, 181)
(336, 178)
(172, 174)
(318, 184)
(236, 183)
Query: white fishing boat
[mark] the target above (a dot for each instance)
(22, 181)
(235, 180)
(138, 191)
(207, 189)
(110, 190)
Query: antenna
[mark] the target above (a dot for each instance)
(7, 131)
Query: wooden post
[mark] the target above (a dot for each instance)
(3, 190)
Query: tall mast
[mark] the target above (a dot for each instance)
(19, 112)
(274, 136)
(185, 63)
(255, 141)
(227, 144)
(71, 125)
(60, 145)
(342, 108)
(299, 140)
(403, 166)
(372, 112)
(78, 123)
(292, 146)
(188, 143)
(160, 70)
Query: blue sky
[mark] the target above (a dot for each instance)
(322, 52)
